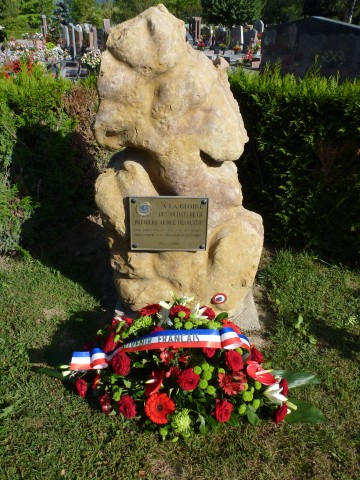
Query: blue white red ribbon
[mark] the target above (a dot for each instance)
(225, 338)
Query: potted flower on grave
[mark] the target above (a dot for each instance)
(249, 55)
(201, 44)
(223, 47)
(237, 48)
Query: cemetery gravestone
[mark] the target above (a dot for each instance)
(250, 37)
(174, 112)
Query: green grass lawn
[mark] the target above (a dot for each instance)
(49, 432)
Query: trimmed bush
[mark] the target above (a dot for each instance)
(301, 167)
(39, 165)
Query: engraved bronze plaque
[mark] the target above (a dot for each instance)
(168, 223)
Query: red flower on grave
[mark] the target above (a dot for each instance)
(127, 406)
(234, 361)
(158, 406)
(227, 323)
(232, 385)
(154, 384)
(209, 312)
(257, 372)
(285, 388)
(188, 379)
(105, 403)
(280, 413)
(121, 363)
(208, 352)
(255, 355)
(150, 310)
(176, 309)
(81, 387)
(223, 410)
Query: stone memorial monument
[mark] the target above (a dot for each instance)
(169, 113)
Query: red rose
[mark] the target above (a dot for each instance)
(150, 310)
(285, 388)
(208, 352)
(127, 406)
(209, 312)
(234, 360)
(280, 413)
(223, 410)
(109, 344)
(105, 403)
(227, 323)
(255, 355)
(81, 387)
(121, 363)
(174, 311)
(188, 379)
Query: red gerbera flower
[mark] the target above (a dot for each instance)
(158, 406)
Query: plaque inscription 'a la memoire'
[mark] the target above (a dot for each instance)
(168, 223)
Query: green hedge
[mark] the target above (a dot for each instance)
(43, 167)
(301, 167)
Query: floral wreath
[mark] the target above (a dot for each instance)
(182, 371)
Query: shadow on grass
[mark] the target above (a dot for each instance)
(346, 342)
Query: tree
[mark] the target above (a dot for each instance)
(279, 11)
(232, 12)
(86, 11)
(61, 12)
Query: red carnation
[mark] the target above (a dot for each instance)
(174, 311)
(209, 312)
(121, 363)
(223, 410)
(81, 387)
(232, 385)
(227, 323)
(150, 310)
(234, 361)
(285, 387)
(208, 352)
(280, 413)
(255, 355)
(127, 406)
(188, 379)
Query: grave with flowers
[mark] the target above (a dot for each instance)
(171, 207)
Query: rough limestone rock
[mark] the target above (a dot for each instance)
(171, 107)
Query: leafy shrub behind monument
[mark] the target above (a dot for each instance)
(301, 167)
(47, 167)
